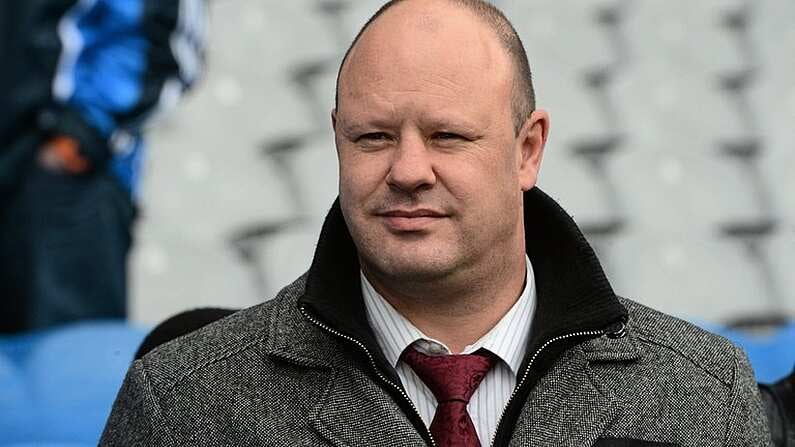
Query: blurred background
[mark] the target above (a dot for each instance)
(672, 146)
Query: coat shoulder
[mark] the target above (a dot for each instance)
(702, 350)
(256, 328)
(671, 381)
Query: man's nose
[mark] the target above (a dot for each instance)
(411, 168)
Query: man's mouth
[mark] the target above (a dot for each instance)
(410, 220)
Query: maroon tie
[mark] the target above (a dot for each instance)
(452, 379)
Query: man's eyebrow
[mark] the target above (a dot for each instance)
(349, 125)
(454, 123)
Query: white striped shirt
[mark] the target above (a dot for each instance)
(507, 340)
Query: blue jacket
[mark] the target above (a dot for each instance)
(95, 70)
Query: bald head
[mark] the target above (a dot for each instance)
(522, 93)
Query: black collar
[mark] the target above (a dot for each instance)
(573, 293)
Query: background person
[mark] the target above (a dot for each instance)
(80, 81)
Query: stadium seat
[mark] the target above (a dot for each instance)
(57, 386)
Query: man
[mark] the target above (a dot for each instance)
(449, 302)
(80, 81)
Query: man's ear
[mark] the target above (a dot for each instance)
(530, 148)
(334, 119)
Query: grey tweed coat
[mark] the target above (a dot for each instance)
(293, 371)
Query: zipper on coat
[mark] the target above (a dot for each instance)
(617, 333)
(611, 332)
(386, 380)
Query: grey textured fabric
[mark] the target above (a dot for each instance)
(267, 375)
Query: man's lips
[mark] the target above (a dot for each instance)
(403, 220)
(420, 212)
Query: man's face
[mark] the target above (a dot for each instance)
(431, 170)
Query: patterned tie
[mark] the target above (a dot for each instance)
(452, 379)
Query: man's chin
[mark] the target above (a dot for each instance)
(417, 270)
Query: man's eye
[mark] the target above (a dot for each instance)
(373, 136)
(448, 136)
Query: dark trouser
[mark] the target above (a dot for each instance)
(63, 250)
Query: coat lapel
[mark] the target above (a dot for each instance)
(353, 409)
(567, 408)
(356, 411)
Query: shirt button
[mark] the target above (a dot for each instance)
(437, 350)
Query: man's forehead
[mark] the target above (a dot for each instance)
(417, 38)
(430, 20)
(424, 15)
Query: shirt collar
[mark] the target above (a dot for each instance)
(507, 339)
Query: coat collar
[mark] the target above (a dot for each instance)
(572, 289)
(573, 295)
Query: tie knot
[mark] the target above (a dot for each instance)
(450, 377)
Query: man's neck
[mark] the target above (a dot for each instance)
(457, 311)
